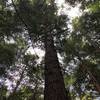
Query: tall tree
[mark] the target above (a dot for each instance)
(84, 45)
(45, 24)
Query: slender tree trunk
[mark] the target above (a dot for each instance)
(54, 83)
(17, 85)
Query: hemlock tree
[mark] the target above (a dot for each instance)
(90, 30)
(39, 18)
(45, 23)
(83, 47)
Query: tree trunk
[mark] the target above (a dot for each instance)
(54, 83)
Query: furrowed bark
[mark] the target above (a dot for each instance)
(54, 82)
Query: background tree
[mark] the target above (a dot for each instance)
(82, 49)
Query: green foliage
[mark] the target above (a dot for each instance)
(40, 17)
(76, 24)
(83, 45)
(30, 61)
(94, 7)
(7, 52)
(69, 80)
(24, 93)
(7, 57)
(84, 3)
(8, 23)
(3, 91)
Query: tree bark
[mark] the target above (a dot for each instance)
(54, 82)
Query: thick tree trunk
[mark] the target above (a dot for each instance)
(54, 83)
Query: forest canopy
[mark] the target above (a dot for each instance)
(70, 67)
